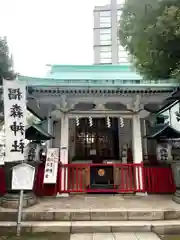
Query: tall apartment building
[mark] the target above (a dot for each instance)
(107, 49)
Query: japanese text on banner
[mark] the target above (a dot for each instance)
(15, 119)
(51, 167)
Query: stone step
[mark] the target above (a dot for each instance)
(91, 215)
(158, 227)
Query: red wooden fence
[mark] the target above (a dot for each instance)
(126, 179)
(159, 180)
(2, 182)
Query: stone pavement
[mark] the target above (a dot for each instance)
(94, 213)
(40, 236)
(100, 201)
(115, 236)
(85, 236)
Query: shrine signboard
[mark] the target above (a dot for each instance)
(15, 119)
(23, 183)
(51, 167)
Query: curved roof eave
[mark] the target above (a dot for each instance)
(93, 68)
(158, 130)
(50, 82)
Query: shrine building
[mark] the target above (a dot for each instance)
(97, 113)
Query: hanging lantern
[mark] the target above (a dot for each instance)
(121, 122)
(90, 122)
(77, 121)
(108, 121)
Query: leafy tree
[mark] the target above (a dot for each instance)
(6, 71)
(6, 63)
(150, 32)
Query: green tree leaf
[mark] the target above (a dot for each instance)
(150, 32)
(6, 61)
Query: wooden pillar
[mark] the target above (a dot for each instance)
(137, 150)
(64, 146)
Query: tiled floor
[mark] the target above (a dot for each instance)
(95, 201)
(115, 236)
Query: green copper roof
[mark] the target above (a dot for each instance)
(36, 132)
(95, 72)
(94, 68)
(163, 131)
(94, 76)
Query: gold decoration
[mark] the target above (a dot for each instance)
(101, 172)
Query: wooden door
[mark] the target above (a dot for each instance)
(99, 137)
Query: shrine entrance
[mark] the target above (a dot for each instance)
(97, 142)
(97, 139)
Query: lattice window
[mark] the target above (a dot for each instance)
(99, 137)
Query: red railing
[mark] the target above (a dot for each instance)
(88, 178)
(2, 181)
(159, 180)
(74, 178)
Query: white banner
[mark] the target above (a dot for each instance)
(15, 119)
(51, 167)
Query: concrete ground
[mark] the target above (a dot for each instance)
(40, 236)
(115, 236)
(90, 236)
(95, 236)
(95, 201)
(171, 237)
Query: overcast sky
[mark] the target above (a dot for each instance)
(48, 31)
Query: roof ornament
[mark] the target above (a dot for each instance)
(65, 106)
(99, 106)
(136, 106)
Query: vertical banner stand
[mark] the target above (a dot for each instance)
(21, 184)
(15, 122)
(20, 210)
